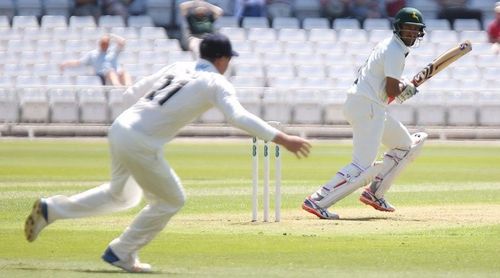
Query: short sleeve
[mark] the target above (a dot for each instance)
(86, 59)
(394, 63)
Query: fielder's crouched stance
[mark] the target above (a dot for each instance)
(379, 82)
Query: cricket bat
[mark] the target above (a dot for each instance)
(440, 63)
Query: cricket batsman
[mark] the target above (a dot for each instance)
(378, 82)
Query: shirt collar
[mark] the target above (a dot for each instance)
(400, 42)
(205, 65)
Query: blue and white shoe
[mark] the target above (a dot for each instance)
(310, 206)
(36, 221)
(133, 265)
(367, 197)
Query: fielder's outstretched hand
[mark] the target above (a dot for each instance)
(297, 145)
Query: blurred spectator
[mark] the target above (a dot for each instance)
(332, 9)
(200, 17)
(494, 30)
(253, 8)
(453, 9)
(362, 9)
(114, 7)
(393, 6)
(86, 8)
(104, 60)
(137, 7)
(123, 8)
(279, 8)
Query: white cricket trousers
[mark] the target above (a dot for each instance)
(372, 125)
(136, 167)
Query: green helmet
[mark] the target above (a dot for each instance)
(410, 16)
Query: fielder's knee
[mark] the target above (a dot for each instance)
(174, 202)
(172, 206)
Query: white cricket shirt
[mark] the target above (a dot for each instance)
(386, 60)
(177, 94)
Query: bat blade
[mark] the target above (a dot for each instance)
(441, 62)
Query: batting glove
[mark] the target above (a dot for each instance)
(408, 91)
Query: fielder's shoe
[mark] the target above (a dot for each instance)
(36, 221)
(132, 265)
(310, 206)
(370, 199)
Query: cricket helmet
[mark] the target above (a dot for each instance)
(409, 16)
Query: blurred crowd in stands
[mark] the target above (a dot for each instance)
(97, 8)
(493, 30)
(331, 9)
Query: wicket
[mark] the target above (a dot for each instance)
(266, 178)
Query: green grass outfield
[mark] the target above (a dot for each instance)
(447, 222)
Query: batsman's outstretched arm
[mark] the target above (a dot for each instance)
(297, 145)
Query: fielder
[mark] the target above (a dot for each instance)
(169, 99)
(379, 81)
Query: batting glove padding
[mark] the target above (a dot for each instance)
(408, 91)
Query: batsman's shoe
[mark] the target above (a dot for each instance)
(36, 221)
(310, 206)
(133, 265)
(370, 199)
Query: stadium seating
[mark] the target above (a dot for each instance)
(291, 34)
(7, 8)
(346, 23)
(8, 105)
(255, 22)
(467, 25)
(234, 33)
(116, 102)
(307, 106)
(53, 21)
(80, 22)
(437, 24)
(281, 60)
(160, 11)
(57, 7)
(489, 114)
(404, 112)
(139, 21)
(322, 35)
(109, 21)
(226, 21)
(63, 105)
(34, 105)
(250, 98)
(376, 24)
(430, 109)
(462, 108)
(257, 34)
(333, 101)
(315, 23)
(307, 8)
(286, 22)
(93, 106)
(277, 105)
(29, 7)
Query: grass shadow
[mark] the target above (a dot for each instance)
(375, 218)
(90, 271)
(364, 219)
